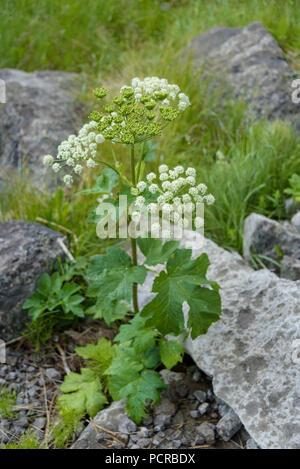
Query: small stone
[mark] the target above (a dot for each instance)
(203, 408)
(162, 420)
(52, 374)
(176, 444)
(11, 361)
(229, 425)
(32, 391)
(147, 421)
(222, 408)
(144, 432)
(194, 414)
(144, 442)
(31, 369)
(200, 395)
(39, 423)
(196, 376)
(165, 407)
(21, 422)
(207, 431)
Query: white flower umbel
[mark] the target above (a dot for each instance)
(140, 112)
(176, 196)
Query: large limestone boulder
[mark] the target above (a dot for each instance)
(249, 62)
(27, 250)
(251, 351)
(41, 110)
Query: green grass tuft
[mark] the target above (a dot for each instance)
(8, 399)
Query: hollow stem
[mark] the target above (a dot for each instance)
(133, 240)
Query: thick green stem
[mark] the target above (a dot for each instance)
(133, 240)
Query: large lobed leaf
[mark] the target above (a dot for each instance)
(155, 251)
(82, 393)
(183, 282)
(111, 277)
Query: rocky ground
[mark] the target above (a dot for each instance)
(189, 415)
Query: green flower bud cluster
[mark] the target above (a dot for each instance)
(141, 111)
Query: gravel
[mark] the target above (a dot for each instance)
(20, 373)
(188, 415)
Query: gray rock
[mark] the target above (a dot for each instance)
(194, 414)
(38, 427)
(27, 250)
(177, 387)
(229, 425)
(249, 64)
(269, 238)
(162, 421)
(250, 444)
(32, 391)
(165, 407)
(171, 377)
(200, 395)
(251, 348)
(144, 432)
(41, 110)
(100, 436)
(109, 418)
(206, 431)
(144, 442)
(52, 374)
(126, 425)
(296, 221)
(203, 408)
(290, 268)
(250, 352)
(176, 444)
(40, 423)
(291, 206)
(197, 376)
(222, 407)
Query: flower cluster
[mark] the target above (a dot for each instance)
(138, 113)
(176, 195)
(75, 151)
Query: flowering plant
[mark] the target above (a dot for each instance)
(175, 199)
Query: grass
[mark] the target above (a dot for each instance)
(112, 41)
(95, 36)
(8, 399)
(27, 441)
